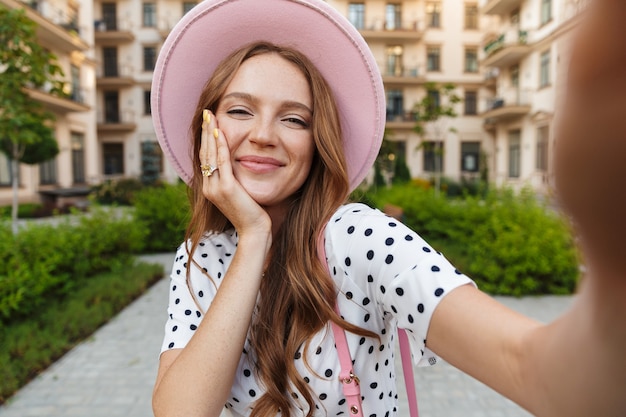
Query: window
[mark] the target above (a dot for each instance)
(514, 71)
(515, 153)
(109, 56)
(188, 6)
(113, 154)
(5, 170)
(433, 156)
(149, 15)
(76, 93)
(544, 69)
(433, 58)
(471, 103)
(434, 100)
(546, 11)
(433, 14)
(541, 157)
(394, 60)
(149, 58)
(471, 16)
(48, 172)
(393, 16)
(147, 109)
(78, 157)
(151, 161)
(395, 104)
(471, 60)
(111, 107)
(109, 16)
(356, 15)
(470, 156)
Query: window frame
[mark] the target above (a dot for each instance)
(433, 17)
(471, 20)
(466, 67)
(149, 14)
(545, 59)
(436, 48)
(474, 112)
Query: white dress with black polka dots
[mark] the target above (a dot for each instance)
(387, 277)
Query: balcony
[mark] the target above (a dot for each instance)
(401, 122)
(510, 105)
(55, 29)
(405, 76)
(380, 30)
(112, 33)
(491, 78)
(501, 7)
(508, 49)
(58, 104)
(114, 76)
(117, 122)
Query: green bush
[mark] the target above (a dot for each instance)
(44, 261)
(120, 191)
(24, 211)
(508, 243)
(164, 212)
(31, 344)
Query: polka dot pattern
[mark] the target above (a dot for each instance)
(387, 277)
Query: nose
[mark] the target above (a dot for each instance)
(263, 132)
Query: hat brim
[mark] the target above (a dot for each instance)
(214, 29)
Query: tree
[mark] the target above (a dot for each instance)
(432, 116)
(25, 132)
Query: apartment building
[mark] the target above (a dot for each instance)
(503, 57)
(65, 28)
(525, 58)
(417, 42)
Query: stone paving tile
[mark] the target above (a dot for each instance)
(112, 373)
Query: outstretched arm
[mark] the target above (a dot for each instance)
(575, 366)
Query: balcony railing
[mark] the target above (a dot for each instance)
(407, 72)
(507, 105)
(55, 15)
(511, 37)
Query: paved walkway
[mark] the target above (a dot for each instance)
(111, 374)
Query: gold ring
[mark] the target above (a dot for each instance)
(208, 170)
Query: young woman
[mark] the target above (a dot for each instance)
(286, 110)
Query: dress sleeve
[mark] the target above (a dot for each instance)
(395, 267)
(190, 298)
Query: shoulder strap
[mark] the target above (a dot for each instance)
(350, 382)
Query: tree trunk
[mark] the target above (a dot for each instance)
(15, 182)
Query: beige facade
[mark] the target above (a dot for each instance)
(526, 54)
(503, 56)
(416, 42)
(64, 28)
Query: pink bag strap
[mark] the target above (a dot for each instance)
(350, 382)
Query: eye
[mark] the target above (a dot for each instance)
(297, 122)
(238, 112)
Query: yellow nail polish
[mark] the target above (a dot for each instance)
(206, 116)
(216, 133)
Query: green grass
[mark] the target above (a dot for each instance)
(30, 345)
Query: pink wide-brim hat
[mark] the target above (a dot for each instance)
(214, 29)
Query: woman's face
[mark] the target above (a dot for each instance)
(266, 116)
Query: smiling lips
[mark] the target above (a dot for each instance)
(259, 164)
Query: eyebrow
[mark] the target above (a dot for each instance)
(285, 104)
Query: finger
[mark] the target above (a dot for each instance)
(208, 149)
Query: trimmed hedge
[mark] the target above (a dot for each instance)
(31, 344)
(44, 261)
(508, 243)
(164, 212)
